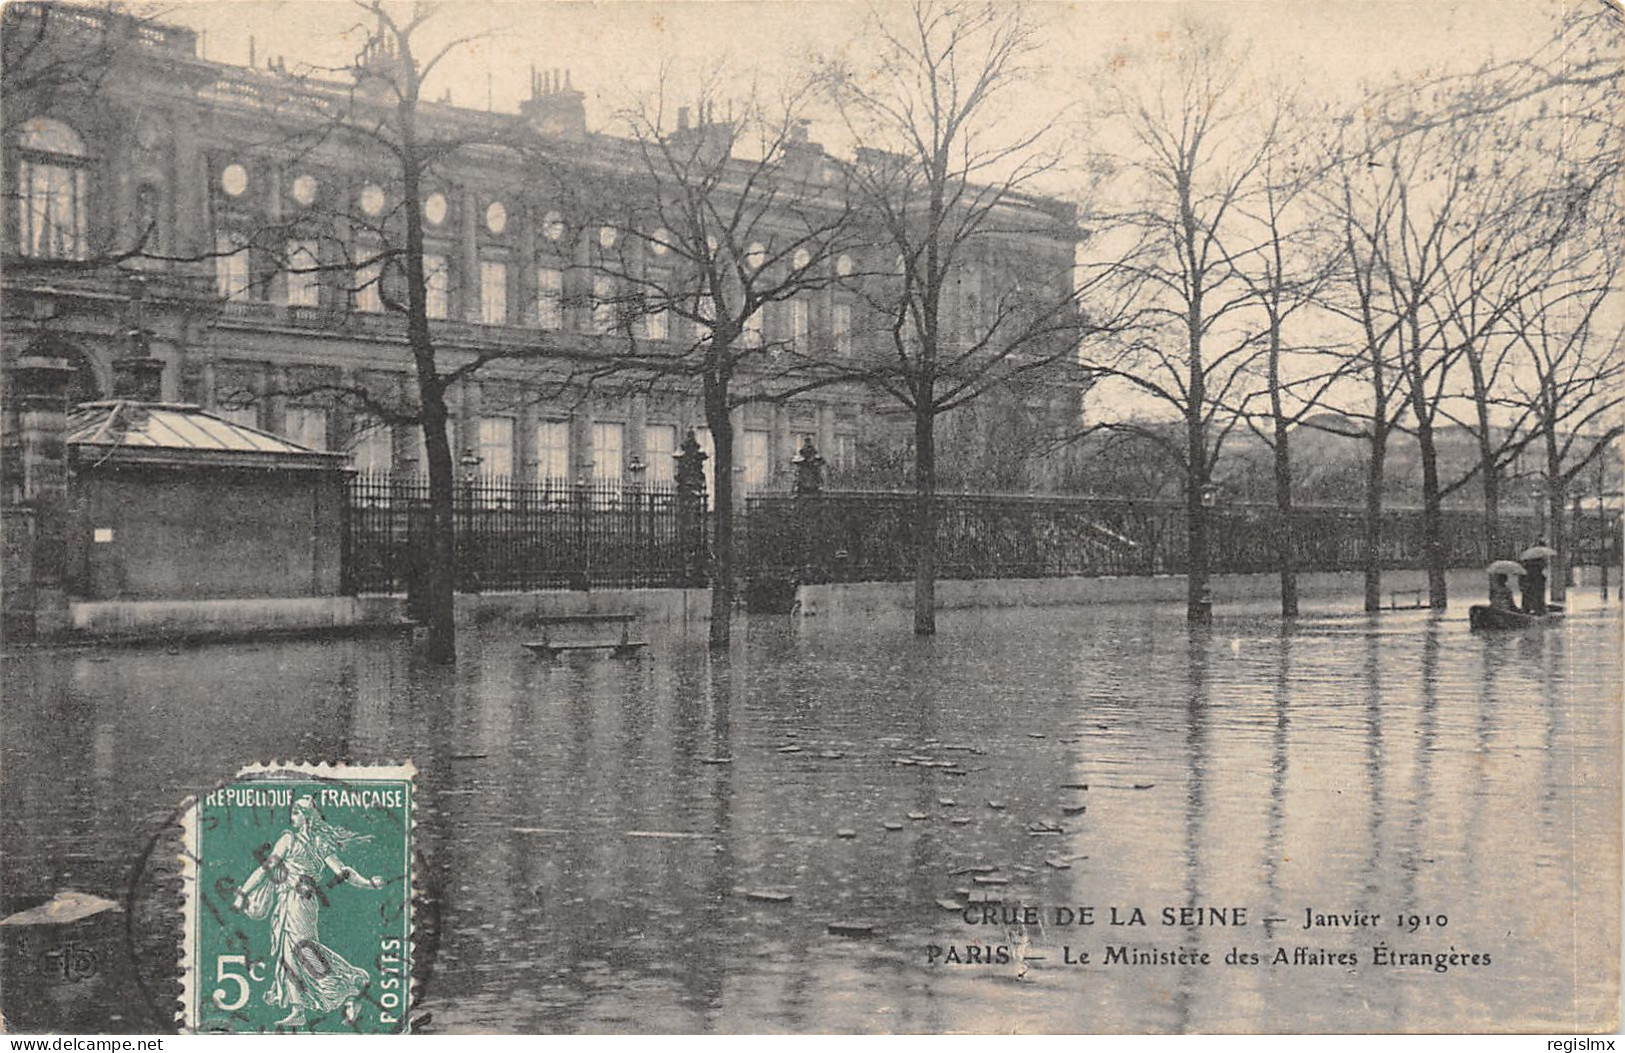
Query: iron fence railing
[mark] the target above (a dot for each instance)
(548, 534)
(866, 536)
(608, 534)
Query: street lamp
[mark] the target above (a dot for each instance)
(1537, 493)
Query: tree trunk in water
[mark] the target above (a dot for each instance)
(722, 568)
(1372, 556)
(925, 520)
(440, 575)
(1285, 549)
(1557, 573)
(1432, 517)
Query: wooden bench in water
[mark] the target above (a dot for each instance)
(620, 646)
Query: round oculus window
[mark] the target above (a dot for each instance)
(660, 243)
(843, 266)
(434, 208)
(234, 179)
(372, 199)
(553, 226)
(606, 237)
(496, 217)
(304, 189)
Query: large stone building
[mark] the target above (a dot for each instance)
(203, 214)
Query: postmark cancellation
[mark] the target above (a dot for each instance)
(298, 892)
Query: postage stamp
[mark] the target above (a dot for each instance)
(298, 901)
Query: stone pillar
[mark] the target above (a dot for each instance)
(38, 482)
(469, 255)
(692, 508)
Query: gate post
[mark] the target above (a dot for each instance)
(691, 512)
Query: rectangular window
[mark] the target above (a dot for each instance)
(436, 286)
(660, 443)
(496, 447)
(706, 310)
(603, 304)
(550, 298)
(231, 277)
(702, 436)
(606, 449)
(758, 468)
(841, 328)
(306, 425)
(369, 277)
(51, 210)
(657, 325)
(800, 326)
(846, 452)
(372, 449)
(553, 450)
(493, 292)
(304, 281)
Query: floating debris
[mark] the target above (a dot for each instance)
(764, 896)
(66, 906)
(469, 756)
(1077, 809)
(986, 879)
(892, 824)
(1074, 786)
(716, 760)
(960, 820)
(851, 928)
(946, 802)
(843, 832)
(1058, 864)
(1043, 826)
(979, 868)
(904, 761)
(831, 755)
(954, 771)
(789, 749)
(960, 748)
(950, 904)
(1036, 735)
(917, 816)
(997, 805)
(677, 835)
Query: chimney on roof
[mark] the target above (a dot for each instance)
(555, 109)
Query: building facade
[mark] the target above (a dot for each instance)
(216, 218)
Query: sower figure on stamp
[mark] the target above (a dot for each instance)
(309, 976)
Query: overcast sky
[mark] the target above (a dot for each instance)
(613, 49)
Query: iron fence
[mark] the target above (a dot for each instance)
(866, 536)
(509, 535)
(556, 534)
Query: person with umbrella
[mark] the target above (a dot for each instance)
(1500, 590)
(1534, 576)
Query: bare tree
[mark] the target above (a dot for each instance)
(963, 298)
(1197, 155)
(1285, 272)
(711, 256)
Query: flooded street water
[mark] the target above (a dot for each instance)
(589, 830)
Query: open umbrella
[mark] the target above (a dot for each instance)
(1506, 566)
(1538, 552)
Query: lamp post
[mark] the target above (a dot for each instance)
(1537, 493)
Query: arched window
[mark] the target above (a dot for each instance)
(51, 167)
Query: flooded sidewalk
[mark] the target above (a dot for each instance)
(839, 827)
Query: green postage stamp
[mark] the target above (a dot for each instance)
(298, 901)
